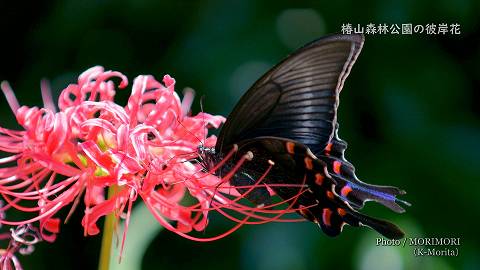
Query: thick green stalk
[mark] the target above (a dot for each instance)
(142, 230)
(107, 238)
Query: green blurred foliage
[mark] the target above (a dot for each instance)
(410, 112)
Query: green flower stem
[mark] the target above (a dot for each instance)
(142, 230)
(108, 231)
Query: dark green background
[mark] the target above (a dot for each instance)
(409, 110)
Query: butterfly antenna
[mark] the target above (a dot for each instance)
(189, 94)
(202, 98)
(188, 131)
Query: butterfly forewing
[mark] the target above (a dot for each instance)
(296, 99)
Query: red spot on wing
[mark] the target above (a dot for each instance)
(319, 179)
(308, 163)
(306, 213)
(345, 190)
(328, 149)
(330, 195)
(290, 147)
(341, 212)
(337, 166)
(326, 215)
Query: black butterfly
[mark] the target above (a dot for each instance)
(289, 118)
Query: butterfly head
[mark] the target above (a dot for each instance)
(207, 157)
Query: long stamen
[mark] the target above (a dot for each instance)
(250, 212)
(47, 95)
(225, 159)
(11, 99)
(187, 101)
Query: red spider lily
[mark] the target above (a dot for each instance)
(22, 240)
(143, 149)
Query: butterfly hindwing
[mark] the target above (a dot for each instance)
(315, 194)
(247, 185)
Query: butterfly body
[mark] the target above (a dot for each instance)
(287, 125)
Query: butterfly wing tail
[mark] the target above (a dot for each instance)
(385, 228)
(331, 221)
(357, 193)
